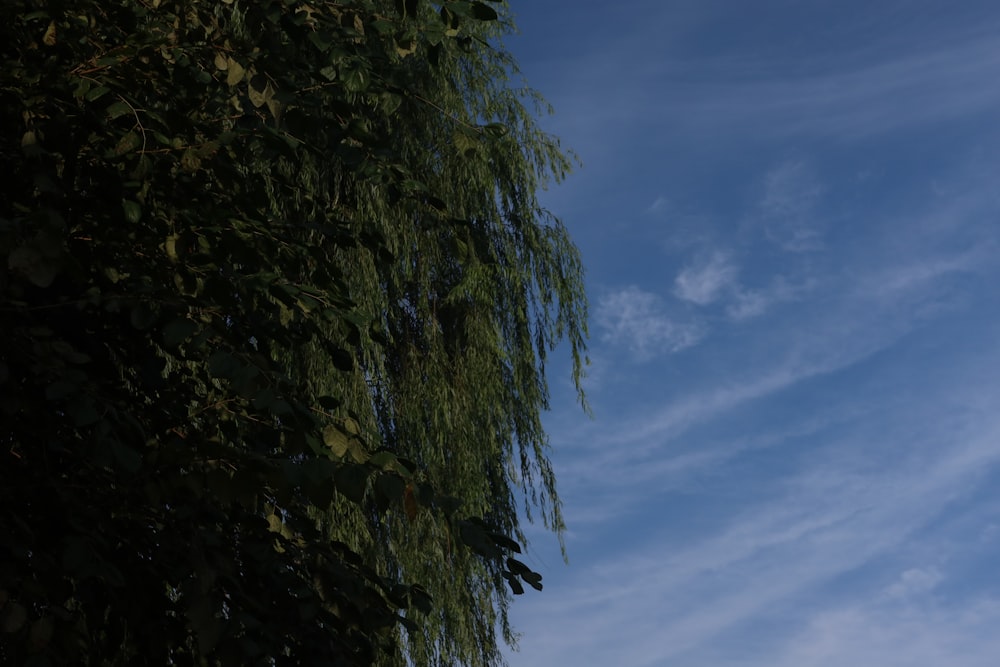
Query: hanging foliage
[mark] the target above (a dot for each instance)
(276, 304)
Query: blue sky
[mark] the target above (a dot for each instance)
(790, 218)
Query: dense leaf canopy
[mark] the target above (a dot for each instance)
(275, 306)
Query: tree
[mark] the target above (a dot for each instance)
(276, 311)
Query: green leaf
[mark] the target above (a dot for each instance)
(321, 40)
(506, 542)
(336, 440)
(382, 26)
(477, 539)
(342, 360)
(496, 130)
(483, 12)
(534, 580)
(410, 625)
(285, 293)
(421, 599)
(355, 78)
(390, 488)
(448, 504)
(117, 109)
(129, 142)
(383, 459)
(517, 567)
(352, 481)
(405, 45)
(187, 283)
(133, 211)
(329, 402)
(82, 86)
(190, 160)
(95, 93)
(30, 145)
(259, 90)
(235, 73)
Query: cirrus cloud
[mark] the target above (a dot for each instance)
(638, 320)
(703, 282)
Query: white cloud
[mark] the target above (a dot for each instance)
(915, 581)
(862, 313)
(638, 320)
(750, 303)
(894, 636)
(921, 275)
(832, 339)
(705, 281)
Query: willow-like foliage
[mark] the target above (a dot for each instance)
(481, 284)
(277, 309)
(481, 289)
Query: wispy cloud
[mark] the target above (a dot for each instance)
(855, 317)
(854, 95)
(914, 581)
(898, 636)
(919, 276)
(803, 549)
(789, 207)
(639, 321)
(830, 520)
(659, 205)
(705, 281)
(813, 484)
(748, 303)
(884, 92)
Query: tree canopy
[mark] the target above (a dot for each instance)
(275, 307)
